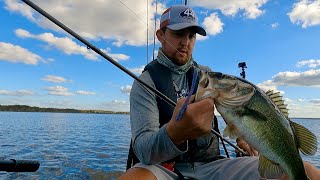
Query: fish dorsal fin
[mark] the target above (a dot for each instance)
(269, 169)
(276, 98)
(269, 92)
(306, 140)
(230, 131)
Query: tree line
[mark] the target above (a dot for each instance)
(26, 108)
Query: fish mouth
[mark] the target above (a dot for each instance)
(205, 89)
(206, 94)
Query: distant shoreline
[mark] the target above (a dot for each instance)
(26, 108)
(303, 118)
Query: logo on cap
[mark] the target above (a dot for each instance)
(189, 14)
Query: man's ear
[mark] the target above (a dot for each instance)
(160, 35)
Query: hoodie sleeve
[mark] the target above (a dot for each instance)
(151, 144)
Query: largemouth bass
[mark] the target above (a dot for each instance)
(261, 119)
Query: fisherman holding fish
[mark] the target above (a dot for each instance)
(172, 147)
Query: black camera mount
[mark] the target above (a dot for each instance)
(242, 65)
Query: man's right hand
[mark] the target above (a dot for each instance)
(195, 122)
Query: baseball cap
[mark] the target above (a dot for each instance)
(178, 17)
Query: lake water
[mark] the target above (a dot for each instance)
(79, 146)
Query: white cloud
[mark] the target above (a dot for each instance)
(274, 25)
(58, 91)
(126, 89)
(68, 46)
(116, 105)
(23, 33)
(315, 101)
(306, 78)
(213, 24)
(288, 100)
(16, 93)
(13, 5)
(297, 107)
(50, 60)
(138, 70)
(85, 92)
(312, 63)
(57, 88)
(119, 101)
(55, 79)
(123, 22)
(251, 8)
(305, 109)
(116, 57)
(65, 44)
(268, 85)
(17, 54)
(305, 13)
(57, 103)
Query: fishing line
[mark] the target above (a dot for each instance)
(149, 26)
(147, 31)
(111, 60)
(154, 31)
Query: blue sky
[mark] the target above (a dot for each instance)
(41, 65)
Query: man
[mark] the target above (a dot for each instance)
(166, 147)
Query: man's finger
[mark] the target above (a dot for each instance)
(192, 98)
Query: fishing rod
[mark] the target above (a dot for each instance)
(13, 165)
(98, 51)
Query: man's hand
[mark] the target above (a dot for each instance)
(195, 122)
(245, 146)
